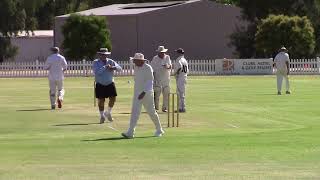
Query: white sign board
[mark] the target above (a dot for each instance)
(243, 66)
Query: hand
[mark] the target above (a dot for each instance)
(141, 96)
(109, 67)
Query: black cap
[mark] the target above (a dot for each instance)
(180, 51)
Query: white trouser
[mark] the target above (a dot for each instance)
(54, 85)
(163, 87)
(148, 104)
(280, 75)
(181, 91)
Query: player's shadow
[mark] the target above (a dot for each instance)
(31, 110)
(76, 124)
(130, 113)
(116, 138)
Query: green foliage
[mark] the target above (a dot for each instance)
(296, 33)
(84, 35)
(12, 20)
(254, 11)
(6, 49)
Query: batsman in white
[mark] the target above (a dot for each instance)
(103, 69)
(181, 70)
(143, 95)
(281, 63)
(56, 64)
(161, 64)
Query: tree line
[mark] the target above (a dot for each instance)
(269, 24)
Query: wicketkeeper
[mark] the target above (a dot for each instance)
(181, 71)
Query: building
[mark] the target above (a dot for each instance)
(201, 27)
(33, 46)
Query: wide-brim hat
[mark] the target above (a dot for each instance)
(180, 51)
(162, 49)
(104, 51)
(138, 56)
(283, 48)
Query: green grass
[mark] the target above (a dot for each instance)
(236, 127)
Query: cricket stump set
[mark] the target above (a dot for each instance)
(172, 111)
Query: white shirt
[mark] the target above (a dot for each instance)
(181, 68)
(56, 63)
(161, 72)
(281, 59)
(143, 78)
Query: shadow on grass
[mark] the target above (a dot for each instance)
(116, 138)
(76, 124)
(30, 110)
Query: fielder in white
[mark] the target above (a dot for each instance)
(181, 70)
(56, 64)
(161, 65)
(143, 95)
(281, 63)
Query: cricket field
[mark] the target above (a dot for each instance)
(236, 127)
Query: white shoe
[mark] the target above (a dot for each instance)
(159, 133)
(125, 135)
(102, 119)
(109, 117)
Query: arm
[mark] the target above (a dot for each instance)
(288, 69)
(64, 64)
(116, 66)
(148, 86)
(169, 65)
(47, 64)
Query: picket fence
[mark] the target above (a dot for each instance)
(84, 68)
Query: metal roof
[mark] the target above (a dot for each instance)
(131, 9)
(152, 5)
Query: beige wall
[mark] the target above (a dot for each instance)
(202, 29)
(32, 48)
(123, 35)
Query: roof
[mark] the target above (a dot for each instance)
(131, 9)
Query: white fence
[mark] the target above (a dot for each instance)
(84, 68)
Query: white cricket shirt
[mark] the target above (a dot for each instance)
(281, 59)
(56, 63)
(143, 78)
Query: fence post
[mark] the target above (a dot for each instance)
(318, 65)
(131, 67)
(84, 72)
(37, 68)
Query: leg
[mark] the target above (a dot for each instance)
(101, 109)
(112, 100)
(135, 114)
(286, 77)
(52, 93)
(60, 89)
(148, 105)
(60, 93)
(165, 94)
(279, 82)
(181, 84)
(157, 92)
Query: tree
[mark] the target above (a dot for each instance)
(84, 35)
(295, 33)
(254, 11)
(12, 20)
